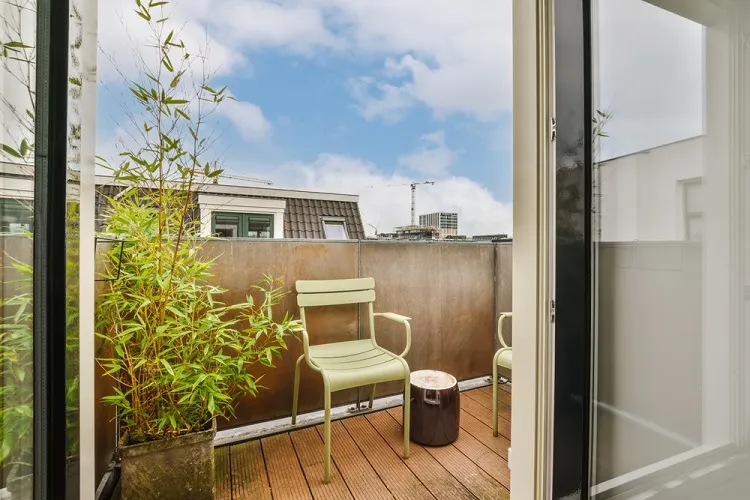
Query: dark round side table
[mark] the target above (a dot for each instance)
(435, 408)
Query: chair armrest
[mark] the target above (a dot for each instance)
(305, 343)
(503, 317)
(404, 320)
(393, 317)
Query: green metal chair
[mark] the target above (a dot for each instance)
(504, 358)
(355, 363)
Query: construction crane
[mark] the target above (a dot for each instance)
(413, 185)
(242, 178)
(374, 227)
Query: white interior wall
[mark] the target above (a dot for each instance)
(641, 198)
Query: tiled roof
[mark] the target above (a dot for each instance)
(304, 218)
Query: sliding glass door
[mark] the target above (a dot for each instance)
(671, 189)
(652, 365)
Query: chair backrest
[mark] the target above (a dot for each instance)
(316, 293)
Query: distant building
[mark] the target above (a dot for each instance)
(225, 211)
(490, 237)
(412, 233)
(445, 222)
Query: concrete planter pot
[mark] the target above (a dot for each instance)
(170, 469)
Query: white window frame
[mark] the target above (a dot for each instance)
(687, 215)
(335, 220)
(210, 203)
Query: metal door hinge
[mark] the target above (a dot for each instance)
(552, 129)
(552, 312)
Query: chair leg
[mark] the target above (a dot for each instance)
(407, 414)
(296, 390)
(372, 395)
(494, 396)
(327, 436)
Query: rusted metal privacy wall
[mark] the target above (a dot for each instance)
(451, 290)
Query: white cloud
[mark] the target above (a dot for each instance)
(253, 24)
(388, 203)
(454, 57)
(388, 104)
(247, 117)
(126, 40)
(432, 158)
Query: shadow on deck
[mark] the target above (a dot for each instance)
(367, 463)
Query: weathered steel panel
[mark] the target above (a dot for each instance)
(448, 291)
(240, 264)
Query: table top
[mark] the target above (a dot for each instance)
(433, 379)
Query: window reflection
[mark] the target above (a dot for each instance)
(671, 380)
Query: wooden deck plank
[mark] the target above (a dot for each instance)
(389, 467)
(367, 461)
(473, 478)
(483, 433)
(361, 479)
(309, 448)
(249, 479)
(430, 472)
(506, 387)
(485, 400)
(223, 474)
(484, 458)
(503, 394)
(484, 395)
(284, 472)
(482, 413)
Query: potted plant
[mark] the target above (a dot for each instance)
(180, 357)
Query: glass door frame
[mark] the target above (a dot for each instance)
(574, 254)
(572, 250)
(49, 248)
(533, 160)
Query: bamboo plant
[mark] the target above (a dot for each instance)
(179, 356)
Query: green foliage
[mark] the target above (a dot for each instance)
(16, 351)
(18, 66)
(16, 362)
(180, 357)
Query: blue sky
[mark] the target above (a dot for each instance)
(339, 96)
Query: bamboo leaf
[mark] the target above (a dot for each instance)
(144, 14)
(9, 150)
(16, 45)
(167, 366)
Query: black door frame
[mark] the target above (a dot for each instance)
(572, 240)
(49, 252)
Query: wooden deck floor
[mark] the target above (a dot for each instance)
(367, 461)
